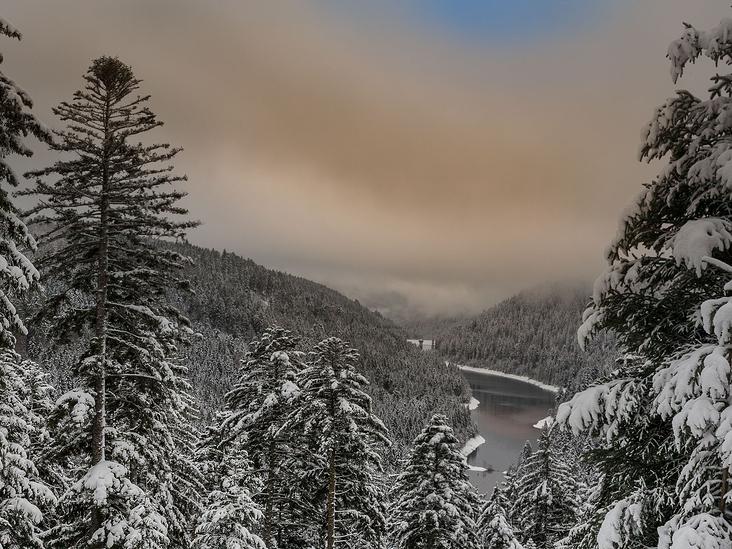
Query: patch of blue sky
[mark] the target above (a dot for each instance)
(500, 22)
(510, 21)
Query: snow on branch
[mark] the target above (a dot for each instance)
(697, 239)
(8, 29)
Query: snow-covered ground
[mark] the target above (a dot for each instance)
(525, 379)
(472, 445)
(473, 404)
(542, 422)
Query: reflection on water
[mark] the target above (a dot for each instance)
(508, 410)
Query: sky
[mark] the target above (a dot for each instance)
(426, 157)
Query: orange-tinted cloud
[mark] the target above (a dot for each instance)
(381, 157)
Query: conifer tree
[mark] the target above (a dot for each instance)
(493, 526)
(508, 489)
(257, 409)
(435, 506)
(23, 495)
(105, 209)
(340, 465)
(583, 535)
(230, 515)
(17, 273)
(662, 415)
(23, 392)
(546, 497)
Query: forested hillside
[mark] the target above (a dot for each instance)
(233, 300)
(534, 334)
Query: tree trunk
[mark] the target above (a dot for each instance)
(331, 469)
(99, 423)
(331, 498)
(268, 506)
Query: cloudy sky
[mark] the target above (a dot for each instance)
(433, 155)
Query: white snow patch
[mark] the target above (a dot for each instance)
(545, 386)
(472, 445)
(697, 239)
(546, 422)
(106, 477)
(25, 508)
(473, 404)
(290, 390)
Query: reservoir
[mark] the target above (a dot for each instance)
(508, 410)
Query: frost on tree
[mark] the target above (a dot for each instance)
(434, 504)
(547, 493)
(664, 415)
(338, 459)
(106, 206)
(231, 515)
(23, 392)
(17, 273)
(257, 409)
(23, 496)
(493, 526)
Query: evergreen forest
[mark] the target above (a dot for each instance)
(155, 394)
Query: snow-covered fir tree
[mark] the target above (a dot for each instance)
(663, 416)
(23, 391)
(338, 461)
(434, 504)
(104, 209)
(230, 515)
(17, 273)
(547, 495)
(508, 489)
(494, 529)
(635, 452)
(23, 496)
(257, 409)
(583, 535)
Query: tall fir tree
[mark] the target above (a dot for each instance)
(435, 506)
(230, 515)
(339, 461)
(23, 496)
(17, 273)
(662, 415)
(105, 210)
(547, 495)
(23, 391)
(494, 529)
(257, 409)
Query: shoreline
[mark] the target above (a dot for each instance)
(545, 386)
(471, 445)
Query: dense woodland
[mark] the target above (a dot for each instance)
(533, 334)
(158, 395)
(234, 300)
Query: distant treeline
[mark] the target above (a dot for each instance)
(534, 334)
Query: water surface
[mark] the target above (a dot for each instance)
(508, 410)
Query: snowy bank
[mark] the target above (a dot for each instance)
(473, 404)
(472, 445)
(547, 421)
(525, 379)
